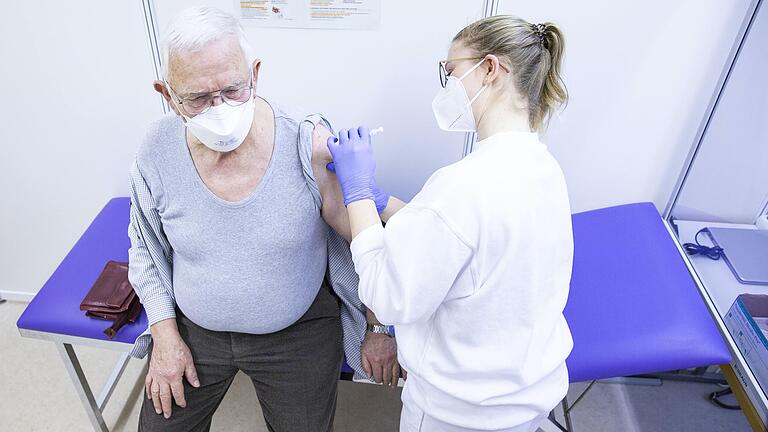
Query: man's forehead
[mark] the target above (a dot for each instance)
(215, 64)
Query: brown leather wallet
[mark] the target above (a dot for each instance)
(112, 298)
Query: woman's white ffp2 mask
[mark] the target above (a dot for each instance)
(452, 106)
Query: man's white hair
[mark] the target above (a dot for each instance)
(195, 27)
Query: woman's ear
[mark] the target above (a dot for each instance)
(493, 69)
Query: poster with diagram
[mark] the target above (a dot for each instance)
(312, 14)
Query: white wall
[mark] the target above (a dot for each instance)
(640, 75)
(77, 97)
(383, 78)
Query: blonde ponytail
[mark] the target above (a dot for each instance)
(554, 93)
(535, 53)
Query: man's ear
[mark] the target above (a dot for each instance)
(256, 67)
(160, 87)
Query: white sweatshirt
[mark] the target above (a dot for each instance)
(474, 273)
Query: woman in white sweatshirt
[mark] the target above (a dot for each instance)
(474, 271)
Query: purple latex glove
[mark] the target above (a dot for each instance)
(380, 197)
(354, 164)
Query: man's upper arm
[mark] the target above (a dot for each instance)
(146, 254)
(333, 211)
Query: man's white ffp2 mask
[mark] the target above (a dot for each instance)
(452, 106)
(223, 127)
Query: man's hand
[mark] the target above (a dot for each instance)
(171, 360)
(379, 354)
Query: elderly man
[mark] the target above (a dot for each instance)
(230, 250)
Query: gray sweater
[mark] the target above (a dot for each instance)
(252, 266)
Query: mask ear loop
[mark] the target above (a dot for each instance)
(253, 84)
(472, 69)
(471, 101)
(485, 86)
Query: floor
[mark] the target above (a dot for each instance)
(36, 395)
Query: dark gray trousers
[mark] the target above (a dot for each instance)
(295, 372)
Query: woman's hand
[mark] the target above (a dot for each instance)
(354, 164)
(379, 196)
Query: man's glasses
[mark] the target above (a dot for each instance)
(198, 104)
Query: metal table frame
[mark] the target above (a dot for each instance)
(94, 406)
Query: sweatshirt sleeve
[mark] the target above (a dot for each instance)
(408, 268)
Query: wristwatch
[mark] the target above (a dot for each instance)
(380, 329)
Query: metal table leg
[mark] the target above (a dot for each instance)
(551, 425)
(567, 412)
(114, 377)
(81, 386)
(93, 407)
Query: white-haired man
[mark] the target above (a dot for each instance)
(229, 250)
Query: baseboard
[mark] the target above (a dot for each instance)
(18, 296)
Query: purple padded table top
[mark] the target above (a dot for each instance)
(56, 307)
(633, 308)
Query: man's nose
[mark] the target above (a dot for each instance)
(217, 100)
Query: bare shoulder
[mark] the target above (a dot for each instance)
(320, 152)
(333, 210)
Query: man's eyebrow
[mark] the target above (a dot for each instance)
(238, 83)
(231, 86)
(195, 94)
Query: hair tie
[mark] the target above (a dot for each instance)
(540, 30)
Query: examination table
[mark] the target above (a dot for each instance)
(633, 306)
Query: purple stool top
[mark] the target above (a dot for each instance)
(634, 307)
